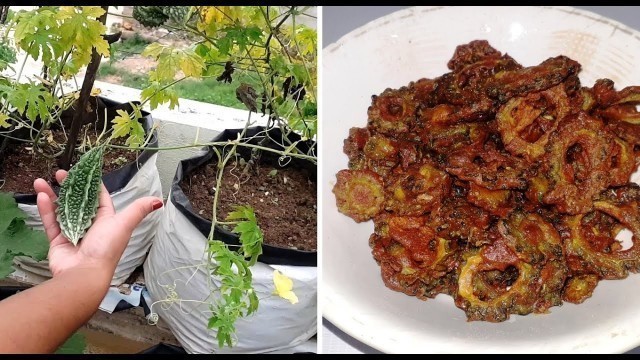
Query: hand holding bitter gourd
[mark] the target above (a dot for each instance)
(79, 195)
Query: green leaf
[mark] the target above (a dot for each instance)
(157, 94)
(242, 212)
(31, 100)
(19, 239)
(237, 298)
(9, 211)
(7, 55)
(6, 265)
(137, 135)
(16, 238)
(249, 232)
(300, 73)
(240, 35)
(121, 122)
(3, 121)
(76, 344)
(253, 302)
(126, 125)
(306, 38)
(154, 50)
(35, 33)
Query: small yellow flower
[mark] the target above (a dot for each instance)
(284, 287)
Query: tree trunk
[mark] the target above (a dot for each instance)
(85, 93)
(4, 11)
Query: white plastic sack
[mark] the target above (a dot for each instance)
(169, 269)
(145, 182)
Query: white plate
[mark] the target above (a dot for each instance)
(415, 43)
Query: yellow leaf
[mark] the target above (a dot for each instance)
(93, 11)
(102, 47)
(284, 287)
(191, 64)
(212, 14)
(153, 50)
(121, 124)
(95, 92)
(3, 121)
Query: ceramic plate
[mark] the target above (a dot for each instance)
(415, 43)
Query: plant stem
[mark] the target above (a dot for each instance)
(219, 143)
(85, 93)
(221, 167)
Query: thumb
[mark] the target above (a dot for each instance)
(133, 214)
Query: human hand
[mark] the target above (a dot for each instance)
(106, 239)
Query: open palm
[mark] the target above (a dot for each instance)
(106, 239)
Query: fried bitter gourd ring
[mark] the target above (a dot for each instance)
(496, 202)
(552, 279)
(412, 258)
(526, 123)
(415, 235)
(353, 147)
(537, 242)
(518, 299)
(623, 116)
(580, 158)
(381, 150)
(489, 168)
(612, 262)
(400, 275)
(534, 240)
(417, 190)
(392, 112)
(579, 288)
(624, 165)
(359, 194)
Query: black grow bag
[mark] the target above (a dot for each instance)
(272, 255)
(119, 178)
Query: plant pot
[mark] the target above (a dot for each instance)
(180, 245)
(134, 180)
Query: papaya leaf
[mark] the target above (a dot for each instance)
(171, 59)
(31, 100)
(156, 94)
(126, 125)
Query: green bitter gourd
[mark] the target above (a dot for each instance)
(79, 195)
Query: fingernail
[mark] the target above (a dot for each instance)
(157, 204)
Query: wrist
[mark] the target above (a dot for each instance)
(96, 272)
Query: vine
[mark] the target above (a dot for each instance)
(282, 58)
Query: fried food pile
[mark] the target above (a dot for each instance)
(500, 185)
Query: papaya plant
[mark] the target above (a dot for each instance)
(66, 40)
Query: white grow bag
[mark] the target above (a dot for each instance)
(171, 272)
